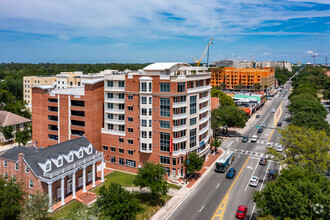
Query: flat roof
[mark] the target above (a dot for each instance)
(163, 66)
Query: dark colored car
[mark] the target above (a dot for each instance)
(272, 174)
(279, 124)
(260, 130)
(257, 116)
(231, 173)
(263, 161)
(245, 139)
(241, 211)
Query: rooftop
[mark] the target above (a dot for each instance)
(10, 119)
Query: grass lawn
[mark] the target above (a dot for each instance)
(65, 211)
(150, 205)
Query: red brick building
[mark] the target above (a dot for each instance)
(160, 114)
(59, 115)
(59, 170)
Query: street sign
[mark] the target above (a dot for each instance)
(258, 126)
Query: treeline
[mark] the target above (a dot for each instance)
(307, 109)
(283, 75)
(11, 74)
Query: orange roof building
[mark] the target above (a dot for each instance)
(246, 78)
(214, 103)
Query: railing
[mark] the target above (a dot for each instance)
(179, 152)
(114, 89)
(115, 110)
(180, 139)
(73, 166)
(115, 100)
(203, 130)
(115, 121)
(145, 151)
(204, 99)
(199, 89)
(179, 128)
(203, 120)
(179, 104)
(113, 131)
(180, 116)
(205, 109)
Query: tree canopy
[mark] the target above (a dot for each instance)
(152, 176)
(230, 116)
(282, 75)
(36, 207)
(193, 163)
(117, 203)
(224, 99)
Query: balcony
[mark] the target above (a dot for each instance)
(148, 151)
(115, 100)
(114, 89)
(115, 110)
(199, 89)
(179, 140)
(115, 121)
(113, 132)
(180, 116)
(179, 128)
(203, 130)
(205, 109)
(203, 120)
(204, 99)
(179, 152)
(179, 104)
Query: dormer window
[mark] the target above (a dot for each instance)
(70, 157)
(90, 150)
(47, 166)
(60, 162)
(80, 154)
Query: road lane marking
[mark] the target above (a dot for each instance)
(218, 214)
(201, 208)
(275, 122)
(252, 211)
(251, 176)
(238, 156)
(217, 186)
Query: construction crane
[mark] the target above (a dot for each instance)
(207, 48)
(315, 55)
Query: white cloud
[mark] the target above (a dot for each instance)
(309, 51)
(153, 19)
(266, 54)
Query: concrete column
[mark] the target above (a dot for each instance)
(62, 191)
(50, 194)
(102, 171)
(74, 185)
(84, 179)
(93, 175)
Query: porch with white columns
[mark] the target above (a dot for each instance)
(84, 179)
(102, 170)
(93, 175)
(50, 195)
(62, 191)
(74, 185)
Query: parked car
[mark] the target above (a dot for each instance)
(279, 148)
(254, 181)
(257, 116)
(245, 139)
(269, 145)
(273, 110)
(241, 212)
(263, 124)
(254, 138)
(260, 130)
(263, 161)
(231, 173)
(272, 174)
(279, 124)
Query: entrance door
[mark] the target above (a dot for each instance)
(89, 176)
(69, 188)
(58, 192)
(173, 173)
(80, 181)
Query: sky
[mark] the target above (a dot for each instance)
(145, 31)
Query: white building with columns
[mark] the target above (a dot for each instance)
(59, 170)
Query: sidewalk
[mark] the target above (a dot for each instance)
(180, 195)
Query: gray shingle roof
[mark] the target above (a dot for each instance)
(12, 154)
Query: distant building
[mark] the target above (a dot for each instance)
(224, 63)
(59, 170)
(247, 78)
(298, 63)
(10, 119)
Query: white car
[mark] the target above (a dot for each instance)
(273, 110)
(279, 148)
(254, 181)
(269, 145)
(254, 138)
(263, 124)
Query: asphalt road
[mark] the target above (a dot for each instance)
(215, 190)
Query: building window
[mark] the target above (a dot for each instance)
(164, 160)
(121, 117)
(129, 141)
(174, 161)
(192, 104)
(16, 166)
(144, 146)
(143, 87)
(165, 124)
(144, 111)
(80, 153)
(143, 134)
(165, 107)
(59, 162)
(110, 106)
(150, 134)
(130, 152)
(47, 166)
(150, 87)
(164, 142)
(5, 176)
(192, 138)
(26, 169)
(121, 83)
(181, 87)
(150, 123)
(130, 97)
(130, 108)
(150, 100)
(143, 100)
(14, 178)
(121, 161)
(130, 163)
(144, 123)
(70, 157)
(110, 95)
(90, 150)
(113, 159)
(130, 130)
(130, 119)
(121, 140)
(5, 163)
(121, 127)
(121, 151)
(150, 111)
(192, 121)
(164, 87)
(31, 184)
(121, 96)
(110, 126)
(112, 149)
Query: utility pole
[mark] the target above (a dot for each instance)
(315, 55)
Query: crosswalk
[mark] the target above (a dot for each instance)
(251, 153)
(259, 142)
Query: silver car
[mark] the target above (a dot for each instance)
(254, 181)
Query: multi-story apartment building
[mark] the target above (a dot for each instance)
(243, 78)
(60, 81)
(62, 114)
(159, 114)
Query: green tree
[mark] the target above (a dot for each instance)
(307, 103)
(82, 212)
(36, 207)
(11, 199)
(193, 163)
(224, 99)
(310, 120)
(23, 136)
(231, 116)
(215, 121)
(152, 176)
(8, 132)
(294, 194)
(216, 142)
(306, 147)
(116, 203)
